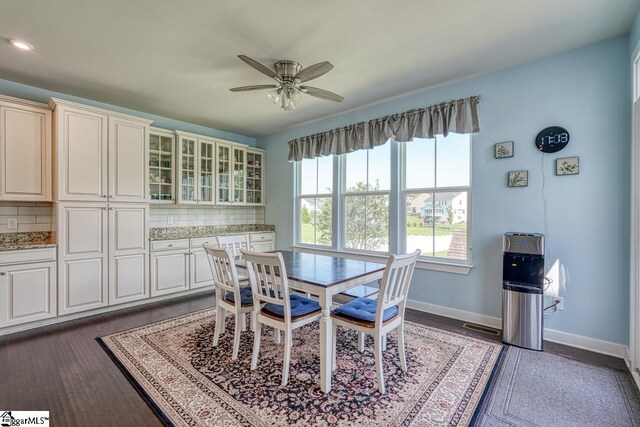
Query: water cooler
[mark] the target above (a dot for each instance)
(522, 289)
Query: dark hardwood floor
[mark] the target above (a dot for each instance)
(62, 368)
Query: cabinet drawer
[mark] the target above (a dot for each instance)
(164, 245)
(261, 237)
(199, 241)
(28, 255)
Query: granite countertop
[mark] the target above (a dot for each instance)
(31, 240)
(188, 232)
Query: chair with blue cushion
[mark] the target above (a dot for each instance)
(282, 310)
(230, 297)
(377, 317)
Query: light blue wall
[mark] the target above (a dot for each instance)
(32, 93)
(588, 92)
(634, 33)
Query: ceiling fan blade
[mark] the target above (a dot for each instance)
(314, 71)
(258, 66)
(252, 87)
(321, 93)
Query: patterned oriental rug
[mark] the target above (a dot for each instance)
(188, 382)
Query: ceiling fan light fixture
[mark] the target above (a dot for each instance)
(274, 96)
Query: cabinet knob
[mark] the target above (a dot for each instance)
(104, 209)
(104, 196)
(170, 246)
(3, 273)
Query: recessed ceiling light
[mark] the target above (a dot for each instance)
(20, 44)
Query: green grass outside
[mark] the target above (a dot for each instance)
(416, 227)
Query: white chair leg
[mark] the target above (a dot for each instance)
(287, 357)
(403, 360)
(377, 344)
(384, 342)
(256, 346)
(253, 321)
(243, 325)
(276, 332)
(333, 346)
(218, 326)
(223, 320)
(238, 332)
(361, 342)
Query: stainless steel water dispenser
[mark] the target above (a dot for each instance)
(522, 289)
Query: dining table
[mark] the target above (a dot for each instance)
(325, 276)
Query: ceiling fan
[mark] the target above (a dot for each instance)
(290, 75)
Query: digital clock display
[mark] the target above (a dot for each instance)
(552, 139)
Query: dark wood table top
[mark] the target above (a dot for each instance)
(323, 270)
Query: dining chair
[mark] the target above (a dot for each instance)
(230, 297)
(235, 243)
(377, 317)
(283, 311)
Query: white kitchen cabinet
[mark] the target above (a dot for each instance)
(25, 151)
(28, 289)
(128, 252)
(169, 272)
(161, 166)
(128, 161)
(262, 242)
(100, 155)
(196, 179)
(83, 235)
(255, 177)
(200, 270)
(231, 174)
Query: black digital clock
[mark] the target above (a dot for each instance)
(552, 139)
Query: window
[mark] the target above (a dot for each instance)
(366, 199)
(436, 191)
(315, 216)
(395, 198)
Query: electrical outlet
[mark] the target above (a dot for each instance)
(12, 223)
(560, 301)
(169, 220)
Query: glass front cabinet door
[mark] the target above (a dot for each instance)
(161, 166)
(238, 175)
(224, 173)
(207, 178)
(188, 147)
(255, 179)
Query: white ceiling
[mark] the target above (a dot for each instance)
(178, 58)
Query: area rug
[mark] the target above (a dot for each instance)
(545, 389)
(188, 382)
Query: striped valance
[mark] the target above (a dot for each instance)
(460, 116)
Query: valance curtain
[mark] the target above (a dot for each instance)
(460, 116)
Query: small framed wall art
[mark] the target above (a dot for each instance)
(568, 166)
(518, 178)
(503, 150)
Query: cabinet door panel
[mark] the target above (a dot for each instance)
(129, 227)
(83, 230)
(83, 285)
(82, 155)
(169, 272)
(28, 293)
(262, 247)
(25, 155)
(200, 270)
(127, 160)
(129, 278)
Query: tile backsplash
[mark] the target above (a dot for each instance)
(31, 216)
(210, 215)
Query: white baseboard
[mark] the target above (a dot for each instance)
(578, 341)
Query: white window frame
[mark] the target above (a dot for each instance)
(402, 232)
(344, 194)
(397, 214)
(298, 206)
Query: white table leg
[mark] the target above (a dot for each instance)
(325, 343)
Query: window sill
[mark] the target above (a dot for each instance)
(422, 264)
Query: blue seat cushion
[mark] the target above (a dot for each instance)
(246, 298)
(299, 306)
(365, 309)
